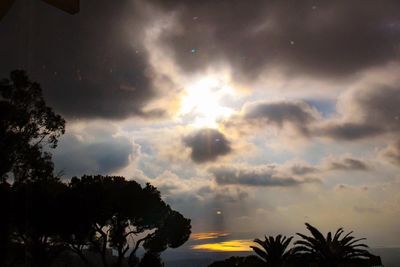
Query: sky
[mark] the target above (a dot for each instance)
(251, 117)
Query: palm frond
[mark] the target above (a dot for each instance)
(331, 249)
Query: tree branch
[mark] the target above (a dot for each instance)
(140, 241)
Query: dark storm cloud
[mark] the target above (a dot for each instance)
(366, 111)
(280, 112)
(379, 105)
(370, 111)
(253, 177)
(102, 156)
(207, 145)
(347, 164)
(299, 114)
(349, 131)
(89, 64)
(326, 38)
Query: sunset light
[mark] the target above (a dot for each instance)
(209, 235)
(239, 245)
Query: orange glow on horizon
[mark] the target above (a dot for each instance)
(208, 235)
(240, 245)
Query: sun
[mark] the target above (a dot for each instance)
(202, 103)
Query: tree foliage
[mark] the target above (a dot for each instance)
(44, 216)
(89, 215)
(111, 212)
(27, 125)
(36, 216)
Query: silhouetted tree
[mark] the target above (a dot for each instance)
(274, 251)
(27, 124)
(45, 216)
(249, 261)
(81, 207)
(150, 259)
(331, 250)
(37, 216)
(110, 211)
(5, 222)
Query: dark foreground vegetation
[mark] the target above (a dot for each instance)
(105, 220)
(44, 220)
(88, 217)
(316, 250)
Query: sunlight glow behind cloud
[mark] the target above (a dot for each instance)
(202, 100)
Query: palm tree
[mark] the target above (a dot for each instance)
(330, 251)
(274, 251)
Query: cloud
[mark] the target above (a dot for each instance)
(89, 64)
(365, 209)
(298, 115)
(347, 164)
(254, 176)
(208, 235)
(348, 131)
(328, 39)
(207, 145)
(98, 152)
(299, 169)
(377, 105)
(367, 110)
(392, 153)
(170, 184)
(230, 195)
(347, 187)
(176, 188)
